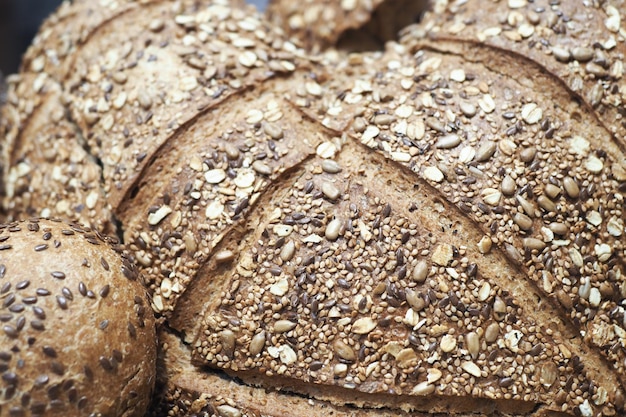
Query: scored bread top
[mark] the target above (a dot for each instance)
(132, 86)
(408, 229)
(176, 221)
(345, 284)
(550, 198)
(48, 172)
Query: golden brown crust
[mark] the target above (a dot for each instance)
(412, 230)
(75, 320)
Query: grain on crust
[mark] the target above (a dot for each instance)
(490, 146)
(49, 171)
(186, 390)
(75, 320)
(344, 295)
(580, 43)
(128, 102)
(428, 226)
(229, 156)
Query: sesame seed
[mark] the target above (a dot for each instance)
(131, 330)
(62, 302)
(10, 331)
(104, 291)
(37, 325)
(105, 363)
(58, 274)
(104, 264)
(41, 247)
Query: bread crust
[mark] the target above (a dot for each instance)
(354, 25)
(433, 228)
(49, 170)
(577, 44)
(75, 320)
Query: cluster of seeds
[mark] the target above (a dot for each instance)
(339, 287)
(318, 24)
(401, 226)
(134, 86)
(49, 174)
(63, 34)
(583, 44)
(230, 163)
(547, 194)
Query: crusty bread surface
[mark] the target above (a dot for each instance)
(78, 336)
(432, 228)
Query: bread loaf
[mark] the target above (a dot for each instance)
(436, 227)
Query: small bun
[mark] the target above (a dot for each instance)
(77, 336)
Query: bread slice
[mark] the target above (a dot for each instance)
(465, 129)
(200, 186)
(370, 299)
(186, 390)
(138, 80)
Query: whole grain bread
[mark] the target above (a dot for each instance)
(432, 228)
(581, 44)
(320, 24)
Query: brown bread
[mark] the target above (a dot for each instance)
(78, 337)
(581, 44)
(432, 228)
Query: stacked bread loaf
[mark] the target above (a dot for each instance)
(434, 227)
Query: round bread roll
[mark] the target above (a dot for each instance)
(433, 227)
(78, 336)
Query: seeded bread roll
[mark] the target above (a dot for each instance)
(78, 336)
(408, 230)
